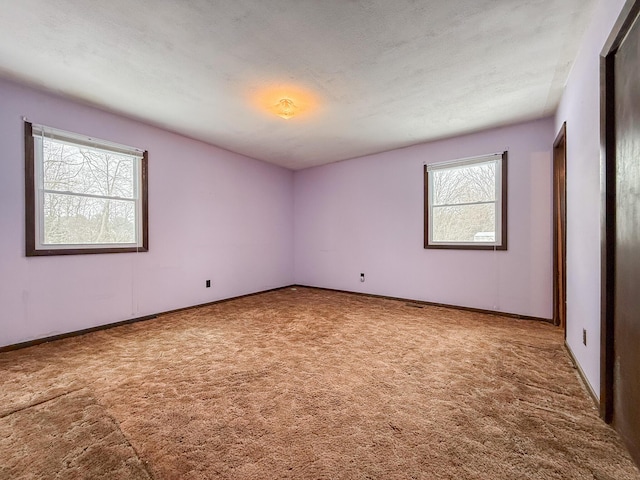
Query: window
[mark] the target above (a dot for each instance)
(83, 195)
(466, 203)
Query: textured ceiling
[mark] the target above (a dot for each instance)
(369, 75)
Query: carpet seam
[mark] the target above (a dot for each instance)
(4, 415)
(135, 450)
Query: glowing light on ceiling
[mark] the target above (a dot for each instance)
(286, 108)
(285, 101)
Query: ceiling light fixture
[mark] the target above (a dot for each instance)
(286, 108)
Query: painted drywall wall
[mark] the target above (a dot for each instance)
(212, 215)
(580, 108)
(366, 216)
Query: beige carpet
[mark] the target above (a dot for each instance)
(305, 384)
(66, 437)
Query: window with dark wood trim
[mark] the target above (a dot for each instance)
(83, 195)
(465, 203)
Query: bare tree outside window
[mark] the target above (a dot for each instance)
(88, 195)
(83, 195)
(464, 202)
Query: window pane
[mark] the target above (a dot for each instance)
(474, 183)
(69, 168)
(81, 220)
(468, 223)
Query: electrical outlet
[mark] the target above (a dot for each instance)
(362, 277)
(208, 284)
(584, 337)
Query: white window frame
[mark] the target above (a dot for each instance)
(500, 202)
(34, 137)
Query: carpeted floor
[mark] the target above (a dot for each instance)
(305, 384)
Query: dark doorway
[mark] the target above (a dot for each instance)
(620, 368)
(559, 228)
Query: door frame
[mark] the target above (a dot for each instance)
(608, 203)
(560, 215)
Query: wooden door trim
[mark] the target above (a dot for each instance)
(559, 295)
(608, 202)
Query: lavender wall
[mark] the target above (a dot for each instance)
(213, 215)
(366, 215)
(580, 108)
